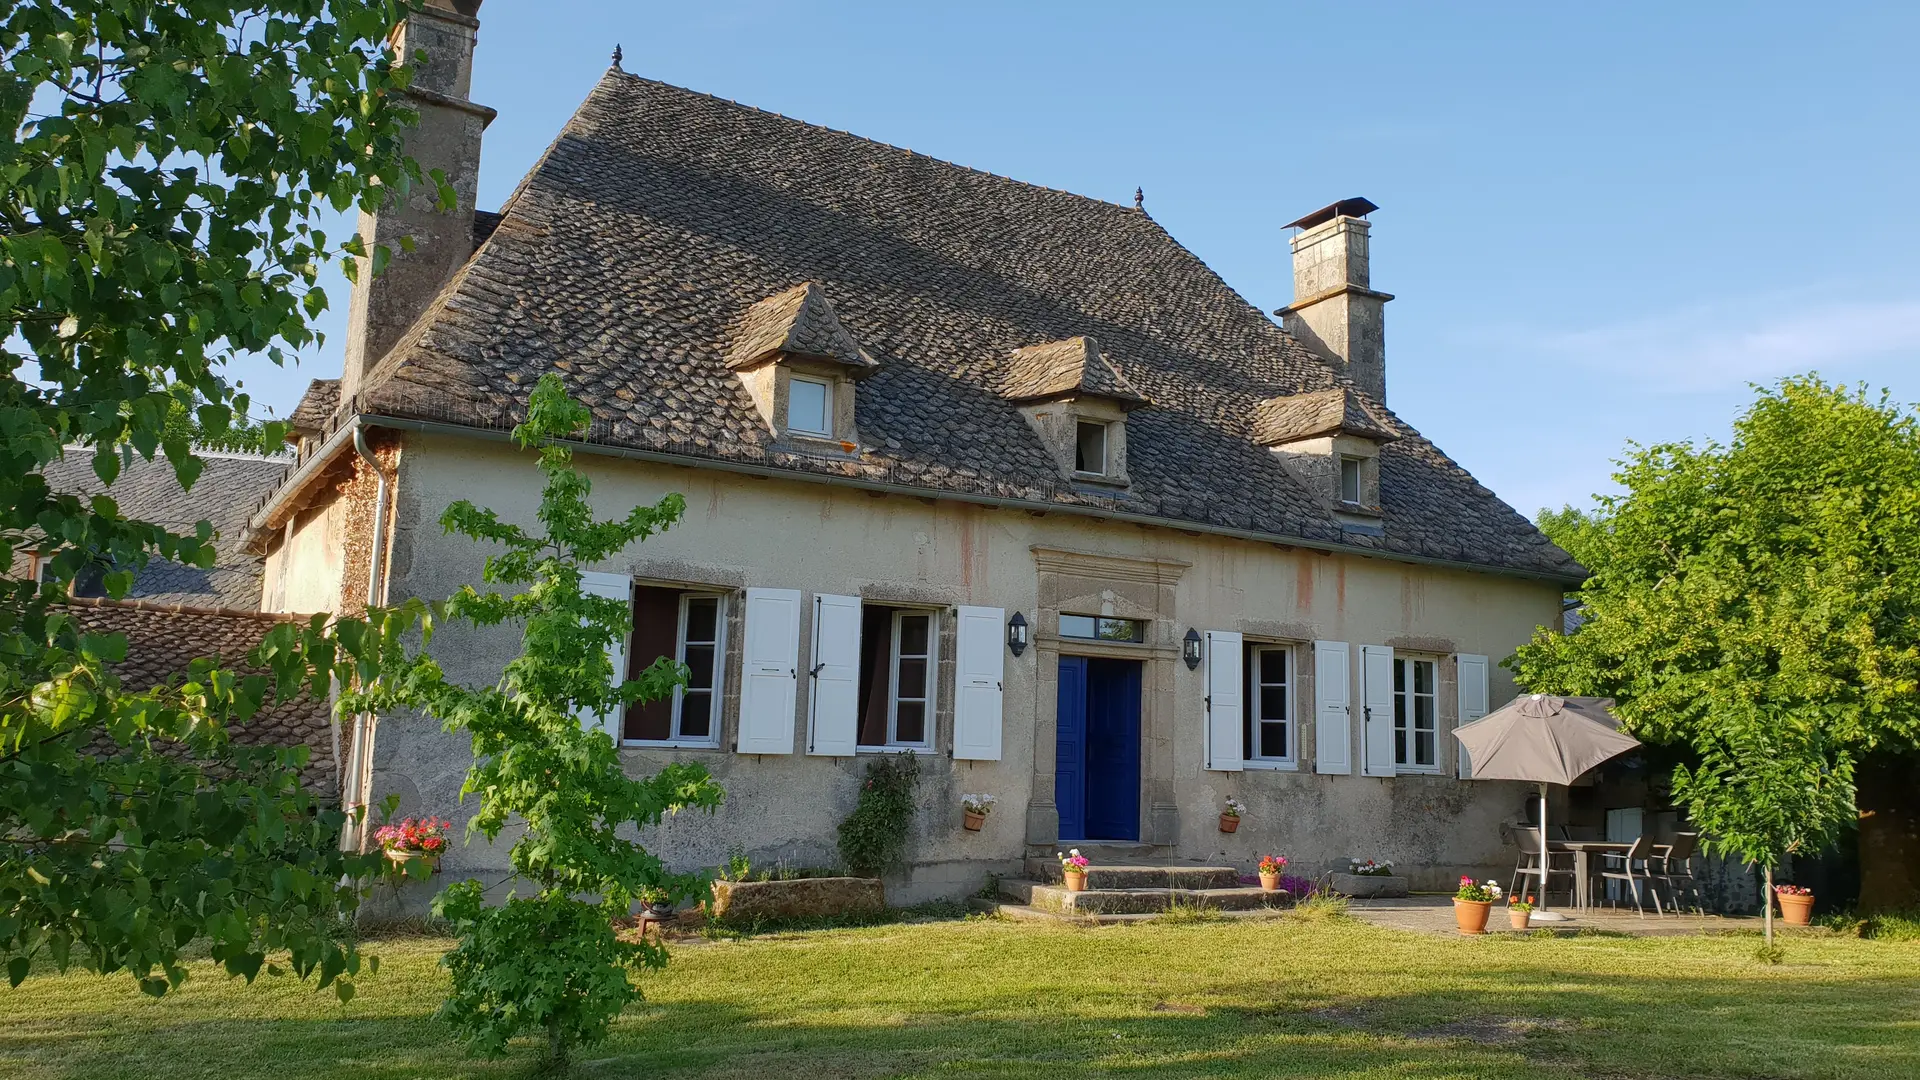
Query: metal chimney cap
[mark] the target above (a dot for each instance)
(1354, 207)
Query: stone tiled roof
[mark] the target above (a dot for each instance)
(1340, 411)
(798, 322)
(316, 406)
(1062, 368)
(659, 216)
(228, 488)
(162, 639)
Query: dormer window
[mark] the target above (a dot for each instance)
(1330, 441)
(1077, 402)
(810, 407)
(800, 365)
(1350, 480)
(1090, 448)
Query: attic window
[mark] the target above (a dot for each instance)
(810, 406)
(1350, 480)
(1090, 448)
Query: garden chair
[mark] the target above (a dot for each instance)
(1534, 865)
(1631, 866)
(1672, 865)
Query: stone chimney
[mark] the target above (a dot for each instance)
(447, 138)
(1335, 312)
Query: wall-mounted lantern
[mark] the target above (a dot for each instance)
(1190, 648)
(1017, 634)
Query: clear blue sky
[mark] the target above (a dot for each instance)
(1601, 221)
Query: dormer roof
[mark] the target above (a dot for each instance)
(797, 322)
(1069, 368)
(1339, 411)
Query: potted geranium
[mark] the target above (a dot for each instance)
(974, 809)
(1230, 817)
(1796, 904)
(1073, 867)
(1519, 912)
(423, 839)
(657, 903)
(1271, 867)
(1472, 903)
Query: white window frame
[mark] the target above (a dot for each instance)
(711, 740)
(1410, 696)
(1292, 721)
(1106, 446)
(893, 742)
(826, 409)
(1358, 468)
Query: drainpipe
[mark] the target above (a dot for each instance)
(366, 723)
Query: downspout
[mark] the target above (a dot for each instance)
(365, 724)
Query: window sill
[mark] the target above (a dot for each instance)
(1272, 766)
(667, 744)
(901, 749)
(1413, 770)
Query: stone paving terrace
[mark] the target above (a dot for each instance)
(1433, 914)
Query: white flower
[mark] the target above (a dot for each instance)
(1073, 851)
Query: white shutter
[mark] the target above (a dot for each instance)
(614, 587)
(979, 666)
(1471, 670)
(1376, 697)
(769, 663)
(1332, 708)
(833, 718)
(1225, 746)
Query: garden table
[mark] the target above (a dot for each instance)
(1583, 850)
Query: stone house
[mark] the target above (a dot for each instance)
(994, 473)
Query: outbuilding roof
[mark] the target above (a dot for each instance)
(630, 255)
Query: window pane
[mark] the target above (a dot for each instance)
(699, 667)
(1399, 710)
(913, 635)
(1350, 480)
(1423, 744)
(1423, 717)
(1273, 740)
(1400, 676)
(1090, 448)
(702, 616)
(807, 406)
(1273, 665)
(1400, 746)
(910, 722)
(696, 714)
(912, 681)
(1120, 630)
(1423, 676)
(1273, 703)
(1081, 626)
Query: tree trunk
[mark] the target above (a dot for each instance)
(1767, 905)
(1888, 798)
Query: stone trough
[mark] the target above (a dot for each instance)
(802, 898)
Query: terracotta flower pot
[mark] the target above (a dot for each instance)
(400, 859)
(1795, 910)
(1471, 915)
(1270, 882)
(1076, 881)
(973, 821)
(1518, 919)
(1229, 822)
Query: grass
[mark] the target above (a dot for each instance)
(1272, 997)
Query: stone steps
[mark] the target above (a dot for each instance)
(1138, 876)
(1027, 912)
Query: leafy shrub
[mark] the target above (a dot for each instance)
(873, 839)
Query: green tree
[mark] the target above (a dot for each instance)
(159, 190)
(1580, 533)
(1765, 790)
(550, 961)
(1774, 581)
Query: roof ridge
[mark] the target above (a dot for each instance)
(162, 608)
(1123, 207)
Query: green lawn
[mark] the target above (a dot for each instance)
(992, 998)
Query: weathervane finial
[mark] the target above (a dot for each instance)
(616, 56)
(1139, 198)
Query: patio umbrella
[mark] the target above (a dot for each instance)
(1544, 740)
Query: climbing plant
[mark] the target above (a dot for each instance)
(873, 839)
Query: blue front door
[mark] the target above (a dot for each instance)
(1097, 762)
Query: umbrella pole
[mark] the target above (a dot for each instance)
(1540, 912)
